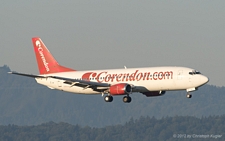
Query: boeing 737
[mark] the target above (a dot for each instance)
(149, 81)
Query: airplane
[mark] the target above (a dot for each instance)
(149, 81)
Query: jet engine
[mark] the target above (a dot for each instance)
(120, 89)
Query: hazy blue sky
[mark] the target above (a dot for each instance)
(103, 34)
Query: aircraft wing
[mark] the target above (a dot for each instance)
(70, 81)
(28, 75)
(81, 83)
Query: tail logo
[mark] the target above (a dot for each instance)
(41, 53)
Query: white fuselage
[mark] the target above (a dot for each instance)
(143, 79)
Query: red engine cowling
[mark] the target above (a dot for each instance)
(154, 93)
(120, 89)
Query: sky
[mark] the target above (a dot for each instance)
(102, 34)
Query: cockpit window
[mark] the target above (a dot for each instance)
(193, 72)
(197, 72)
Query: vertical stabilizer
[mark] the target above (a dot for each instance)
(46, 62)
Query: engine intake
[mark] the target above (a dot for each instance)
(120, 89)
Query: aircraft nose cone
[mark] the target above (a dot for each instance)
(204, 79)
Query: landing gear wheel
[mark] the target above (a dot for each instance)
(189, 95)
(108, 98)
(126, 99)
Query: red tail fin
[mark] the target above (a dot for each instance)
(46, 62)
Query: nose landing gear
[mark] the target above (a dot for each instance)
(188, 95)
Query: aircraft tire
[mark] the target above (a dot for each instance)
(127, 99)
(189, 95)
(108, 98)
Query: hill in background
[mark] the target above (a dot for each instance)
(143, 129)
(24, 102)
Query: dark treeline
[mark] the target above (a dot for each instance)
(143, 129)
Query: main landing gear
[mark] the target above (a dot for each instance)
(109, 98)
(127, 99)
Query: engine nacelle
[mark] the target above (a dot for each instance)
(154, 93)
(120, 89)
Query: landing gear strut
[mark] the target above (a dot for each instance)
(108, 98)
(127, 99)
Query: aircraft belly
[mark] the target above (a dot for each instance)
(158, 85)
